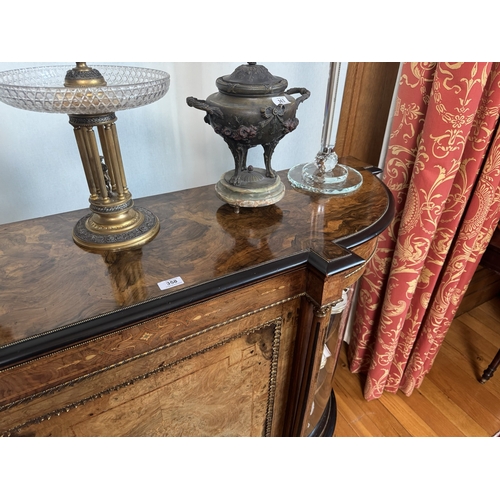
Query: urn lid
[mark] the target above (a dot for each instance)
(251, 79)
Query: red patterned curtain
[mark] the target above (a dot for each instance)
(443, 168)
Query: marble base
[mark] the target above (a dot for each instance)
(255, 190)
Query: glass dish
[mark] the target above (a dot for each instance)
(42, 89)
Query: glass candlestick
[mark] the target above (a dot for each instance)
(325, 175)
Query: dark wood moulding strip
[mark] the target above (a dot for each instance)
(60, 338)
(365, 235)
(326, 425)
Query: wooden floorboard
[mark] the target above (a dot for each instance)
(451, 412)
(356, 410)
(451, 401)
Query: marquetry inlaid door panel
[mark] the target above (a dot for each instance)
(228, 380)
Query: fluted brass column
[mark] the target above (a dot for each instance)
(114, 224)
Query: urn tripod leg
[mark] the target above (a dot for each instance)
(240, 152)
(268, 153)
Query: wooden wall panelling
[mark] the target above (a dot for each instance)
(365, 109)
(484, 286)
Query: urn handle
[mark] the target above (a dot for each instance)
(304, 94)
(204, 106)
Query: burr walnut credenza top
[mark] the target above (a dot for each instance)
(53, 293)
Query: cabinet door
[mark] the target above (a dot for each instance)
(227, 378)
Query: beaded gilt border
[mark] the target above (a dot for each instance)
(277, 322)
(272, 381)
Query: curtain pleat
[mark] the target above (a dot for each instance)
(476, 230)
(446, 211)
(413, 97)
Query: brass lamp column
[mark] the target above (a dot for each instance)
(114, 223)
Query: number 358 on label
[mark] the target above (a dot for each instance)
(170, 283)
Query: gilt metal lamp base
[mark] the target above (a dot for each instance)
(141, 228)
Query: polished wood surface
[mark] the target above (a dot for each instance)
(145, 337)
(450, 402)
(48, 283)
(90, 344)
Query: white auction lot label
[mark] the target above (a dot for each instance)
(280, 100)
(170, 283)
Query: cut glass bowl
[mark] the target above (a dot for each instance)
(42, 89)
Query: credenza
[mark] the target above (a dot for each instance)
(226, 324)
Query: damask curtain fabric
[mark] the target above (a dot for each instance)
(443, 168)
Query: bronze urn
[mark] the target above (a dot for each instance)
(251, 108)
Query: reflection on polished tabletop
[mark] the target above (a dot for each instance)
(48, 283)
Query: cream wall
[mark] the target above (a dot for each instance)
(165, 146)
